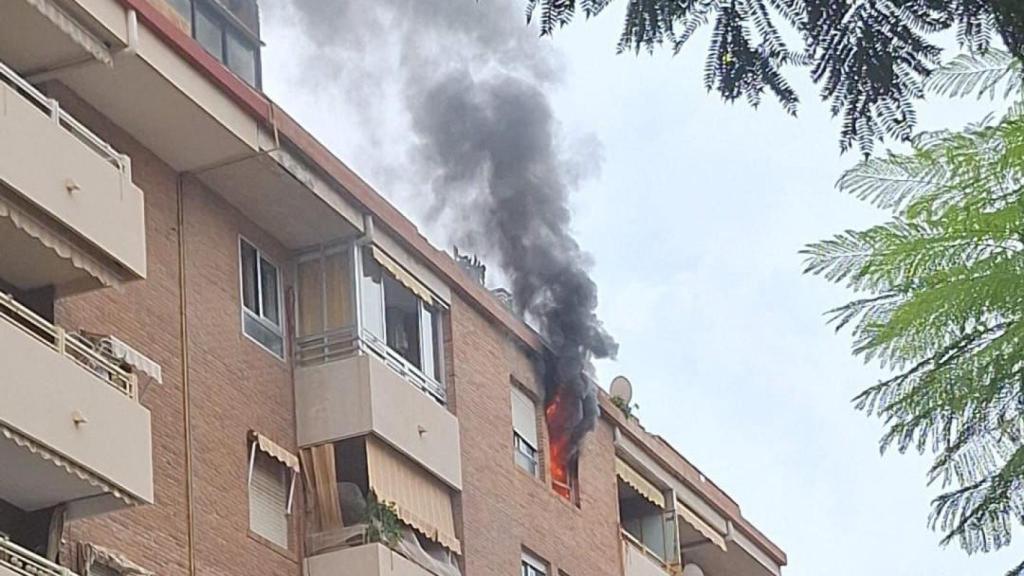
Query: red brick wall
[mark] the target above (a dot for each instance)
(504, 509)
(235, 386)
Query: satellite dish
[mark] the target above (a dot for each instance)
(692, 570)
(622, 388)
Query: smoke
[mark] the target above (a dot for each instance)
(471, 80)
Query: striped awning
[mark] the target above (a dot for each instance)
(275, 451)
(421, 500)
(55, 242)
(705, 529)
(64, 464)
(402, 275)
(639, 483)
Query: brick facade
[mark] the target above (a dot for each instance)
(234, 385)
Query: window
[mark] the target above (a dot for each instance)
(183, 8)
(223, 39)
(268, 498)
(261, 299)
(524, 431)
(533, 566)
(397, 317)
(325, 292)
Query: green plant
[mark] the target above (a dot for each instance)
(625, 406)
(941, 304)
(382, 521)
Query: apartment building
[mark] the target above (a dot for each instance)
(224, 353)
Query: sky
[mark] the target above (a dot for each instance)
(694, 223)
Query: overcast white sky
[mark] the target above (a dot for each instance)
(694, 224)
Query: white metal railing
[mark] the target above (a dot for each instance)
(50, 107)
(347, 342)
(27, 563)
(71, 346)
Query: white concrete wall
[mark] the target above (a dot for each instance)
(41, 392)
(365, 560)
(361, 395)
(39, 158)
(636, 563)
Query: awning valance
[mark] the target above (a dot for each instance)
(64, 464)
(402, 275)
(54, 241)
(270, 448)
(125, 353)
(639, 483)
(691, 518)
(421, 500)
(94, 554)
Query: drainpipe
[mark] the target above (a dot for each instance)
(132, 49)
(185, 396)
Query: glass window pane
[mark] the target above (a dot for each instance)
(372, 298)
(338, 274)
(429, 342)
(208, 32)
(242, 58)
(268, 299)
(310, 289)
(249, 282)
(402, 320)
(183, 10)
(265, 336)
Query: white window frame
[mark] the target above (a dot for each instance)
(520, 444)
(276, 329)
(531, 565)
(524, 448)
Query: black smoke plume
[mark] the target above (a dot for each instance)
(473, 79)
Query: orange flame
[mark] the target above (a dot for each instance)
(558, 442)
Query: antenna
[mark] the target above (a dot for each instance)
(622, 388)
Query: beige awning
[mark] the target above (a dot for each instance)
(70, 26)
(54, 241)
(268, 447)
(691, 518)
(421, 500)
(65, 464)
(403, 276)
(94, 554)
(639, 483)
(138, 361)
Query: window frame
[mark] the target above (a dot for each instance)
(278, 330)
(227, 25)
(531, 565)
(521, 446)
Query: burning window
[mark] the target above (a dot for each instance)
(562, 416)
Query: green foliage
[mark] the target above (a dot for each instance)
(626, 407)
(941, 304)
(382, 522)
(869, 58)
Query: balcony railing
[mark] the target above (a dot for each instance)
(347, 342)
(27, 563)
(68, 345)
(652, 564)
(51, 108)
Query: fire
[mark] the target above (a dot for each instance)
(559, 420)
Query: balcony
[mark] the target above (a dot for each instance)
(71, 428)
(70, 215)
(365, 560)
(638, 560)
(347, 386)
(17, 561)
